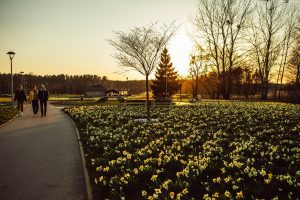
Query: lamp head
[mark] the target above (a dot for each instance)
(11, 54)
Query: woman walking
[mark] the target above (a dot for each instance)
(20, 97)
(33, 97)
(43, 96)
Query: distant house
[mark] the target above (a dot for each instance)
(95, 90)
(98, 90)
(112, 92)
(117, 92)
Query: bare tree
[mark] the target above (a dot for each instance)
(294, 65)
(140, 50)
(268, 38)
(220, 23)
(294, 61)
(288, 41)
(198, 66)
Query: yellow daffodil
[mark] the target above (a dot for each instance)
(240, 195)
(227, 194)
(154, 177)
(172, 195)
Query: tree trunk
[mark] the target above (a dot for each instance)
(275, 91)
(180, 91)
(264, 91)
(196, 87)
(226, 95)
(219, 90)
(147, 98)
(228, 91)
(225, 91)
(298, 76)
(277, 83)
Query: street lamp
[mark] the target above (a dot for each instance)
(166, 84)
(22, 82)
(11, 55)
(127, 92)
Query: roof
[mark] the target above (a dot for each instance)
(96, 87)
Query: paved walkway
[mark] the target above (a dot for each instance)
(40, 158)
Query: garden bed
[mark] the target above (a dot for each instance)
(209, 150)
(7, 113)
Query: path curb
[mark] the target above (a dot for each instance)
(85, 171)
(6, 123)
(2, 125)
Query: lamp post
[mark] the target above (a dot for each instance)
(22, 81)
(127, 92)
(11, 55)
(166, 85)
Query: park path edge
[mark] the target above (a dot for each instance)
(82, 155)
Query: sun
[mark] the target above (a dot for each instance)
(179, 48)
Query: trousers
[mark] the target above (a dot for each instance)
(20, 105)
(43, 105)
(35, 106)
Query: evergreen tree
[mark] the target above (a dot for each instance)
(165, 83)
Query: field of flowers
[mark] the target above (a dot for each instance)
(203, 151)
(6, 113)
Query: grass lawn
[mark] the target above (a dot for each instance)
(203, 151)
(85, 102)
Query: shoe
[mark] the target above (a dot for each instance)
(41, 115)
(45, 115)
(22, 114)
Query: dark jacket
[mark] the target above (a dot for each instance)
(43, 95)
(20, 96)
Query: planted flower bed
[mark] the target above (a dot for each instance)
(6, 113)
(204, 151)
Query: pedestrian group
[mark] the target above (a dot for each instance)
(35, 97)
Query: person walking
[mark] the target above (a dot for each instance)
(20, 97)
(43, 96)
(33, 97)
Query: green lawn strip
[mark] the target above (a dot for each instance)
(76, 103)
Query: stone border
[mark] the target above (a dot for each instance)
(11, 119)
(85, 171)
(6, 123)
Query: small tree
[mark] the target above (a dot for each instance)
(165, 83)
(198, 66)
(139, 50)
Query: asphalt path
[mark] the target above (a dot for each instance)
(40, 158)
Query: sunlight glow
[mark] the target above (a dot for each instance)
(179, 48)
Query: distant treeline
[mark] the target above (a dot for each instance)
(67, 84)
(246, 89)
(245, 85)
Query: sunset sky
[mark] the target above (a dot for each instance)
(70, 36)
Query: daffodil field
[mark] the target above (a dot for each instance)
(204, 151)
(7, 113)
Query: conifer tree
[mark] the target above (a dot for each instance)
(165, 83)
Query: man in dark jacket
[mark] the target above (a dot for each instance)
(43, 96)
(20, 97)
